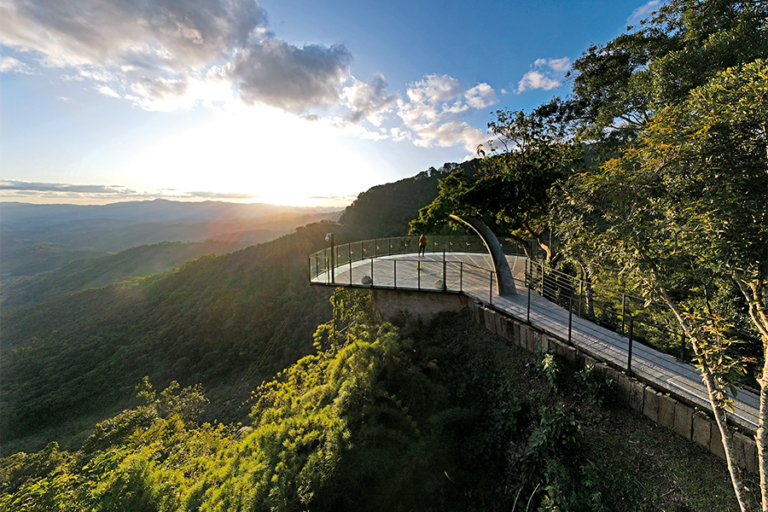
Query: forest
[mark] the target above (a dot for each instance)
(651, 175)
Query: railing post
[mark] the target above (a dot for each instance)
(629, 349)
(371, 271)
(445, 284)
(570, 319)
(418, 274)
(349, 253)
(682, 346)
(461, 276)
(581, 294)
(528, 317)
(395, 272)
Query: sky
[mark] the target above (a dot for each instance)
(300, 102)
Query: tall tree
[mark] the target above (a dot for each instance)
(618, 86)
(685, 211)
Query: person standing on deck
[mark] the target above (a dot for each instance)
(422, 245)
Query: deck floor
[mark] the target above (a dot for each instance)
(470, 274)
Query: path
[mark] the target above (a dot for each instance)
(471, 274)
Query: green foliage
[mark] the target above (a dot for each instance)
(546, 364)
(619, 86)
(682, 214)
(510, 188)
(438, 417)
(600, 390)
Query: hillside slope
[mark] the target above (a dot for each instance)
(96, 272)
(226, 321)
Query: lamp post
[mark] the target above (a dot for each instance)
(329, 238)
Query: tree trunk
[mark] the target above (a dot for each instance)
(761, 436)
(525, 244)
(713, 389)
(753, 293)
(586, 276)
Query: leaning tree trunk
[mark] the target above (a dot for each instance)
(713, 389)
(586, 276)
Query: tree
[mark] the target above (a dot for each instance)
(509, 188)
(617, 87)
(684, 211)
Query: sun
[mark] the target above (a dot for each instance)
(261, 154)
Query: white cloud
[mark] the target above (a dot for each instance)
(643, 11)
(481, 96)
(434, 89)
(562, 64)
(536, 80)
(434, 112)
(545, 74)
(369, 100)
(11, 65)
(107, 91)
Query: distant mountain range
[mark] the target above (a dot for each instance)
(39, 238)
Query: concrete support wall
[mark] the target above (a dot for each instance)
(665, 410)
(389, 303)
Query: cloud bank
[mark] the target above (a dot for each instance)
(176, 54)
(27, 189)
(167, 51)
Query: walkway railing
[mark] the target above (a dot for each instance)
(387, 266)
(642, 341)
(344, 254)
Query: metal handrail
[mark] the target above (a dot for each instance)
(352, 252)
(553, 285)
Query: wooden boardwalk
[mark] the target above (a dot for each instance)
(471, 275)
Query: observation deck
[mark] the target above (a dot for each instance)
(605, 324)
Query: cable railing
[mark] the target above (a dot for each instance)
(338, 256)
(622, 313)
(383, 263)
(566, 306)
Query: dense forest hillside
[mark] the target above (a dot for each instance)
(388, 209)
(228, 321)
(96, 272)
(444, 417)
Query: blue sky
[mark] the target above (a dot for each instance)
(293, 102)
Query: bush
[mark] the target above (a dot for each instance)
(600, 390)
